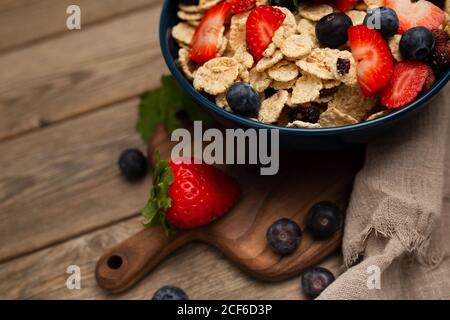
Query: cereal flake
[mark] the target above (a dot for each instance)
(306, 89)
(296, 46)
(283, 71)
(314, 12)
(216, 75)
(271, 107)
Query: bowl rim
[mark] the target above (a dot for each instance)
(187, 86)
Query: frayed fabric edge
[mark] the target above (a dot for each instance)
(416, 245)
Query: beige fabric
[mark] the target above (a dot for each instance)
(396, 220)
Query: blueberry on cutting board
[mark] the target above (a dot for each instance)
(324, 219)
(284, 236)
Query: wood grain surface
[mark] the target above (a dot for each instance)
(82, 71)
(68, 102)
(63, 180)
(25, 21)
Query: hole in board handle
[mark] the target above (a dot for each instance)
(114, 262)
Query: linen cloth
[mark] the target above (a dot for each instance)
(398, 219)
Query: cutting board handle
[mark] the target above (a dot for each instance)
(130, 260)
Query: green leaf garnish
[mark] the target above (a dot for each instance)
(163, 105)
(159, 200)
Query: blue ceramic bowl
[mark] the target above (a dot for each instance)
(292, 138)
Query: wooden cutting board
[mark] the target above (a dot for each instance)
(303, 180)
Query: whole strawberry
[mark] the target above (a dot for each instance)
(188, 195)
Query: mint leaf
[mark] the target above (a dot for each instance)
(163, 105)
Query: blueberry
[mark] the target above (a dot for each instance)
(324, 219)
(170, 293)
(331, 30)
(133, 164)
(284, 236)
(315, 280)
(284, 3)
(417, 43)
(243, 99)
(383, 19)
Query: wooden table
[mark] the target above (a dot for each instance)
(68, 105)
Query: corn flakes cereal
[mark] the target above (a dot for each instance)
(356, 16)
(193, 23)
(286, 29)
(187, 66)
(352, 102)
(189, 8)
(182, 32)
(374, 3)
(302, 124)
(260, 81)
(377, 115)
(296, 46)
(280, 85)
(221, 101)
(189, 16)
(333, 117)
(207, 4)
(271, 107)
(216, 75)
(237, 30)
(394, 43)
(320, 62)
(345, 68)
(244, 57)
(314, 12)
(270, 50)
(283, 71)
(266, 63)
(306, 89)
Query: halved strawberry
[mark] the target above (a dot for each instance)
(375, 62)
(406, 83)
(344, 5)
(262, 23)
(239, 6)
(204, 43)
(416, 13)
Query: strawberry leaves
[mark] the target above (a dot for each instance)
(164, 105)
(159, 200)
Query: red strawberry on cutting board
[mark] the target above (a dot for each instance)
(188, 195)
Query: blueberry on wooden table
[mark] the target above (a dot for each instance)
(133, 164)
(170, 293)
(315, 280)
(284, 236)
(324, 219)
